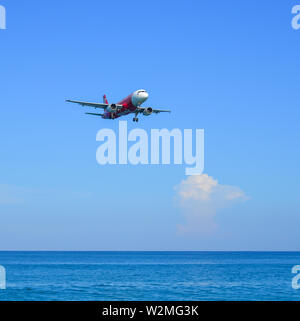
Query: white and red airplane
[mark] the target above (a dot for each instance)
(128, 105)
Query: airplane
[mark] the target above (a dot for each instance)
(128, 105)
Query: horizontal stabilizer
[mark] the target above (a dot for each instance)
(101, 115)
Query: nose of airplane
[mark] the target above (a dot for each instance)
(143, 95)
(139, 97)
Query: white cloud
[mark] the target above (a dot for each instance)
(201, 197)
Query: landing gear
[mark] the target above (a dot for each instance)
(135, 118)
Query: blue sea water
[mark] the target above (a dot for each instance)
(150, 276)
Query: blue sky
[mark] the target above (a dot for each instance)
(230, 67)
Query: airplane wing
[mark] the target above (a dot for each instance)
(155, 111)
(101, 115)
(94, 105)
(83, 103)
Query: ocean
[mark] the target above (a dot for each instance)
(149, 276)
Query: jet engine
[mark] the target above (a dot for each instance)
(148, 111)
(112, 108)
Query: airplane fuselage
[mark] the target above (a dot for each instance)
(130, 104)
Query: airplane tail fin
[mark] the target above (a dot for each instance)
(105, 101)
